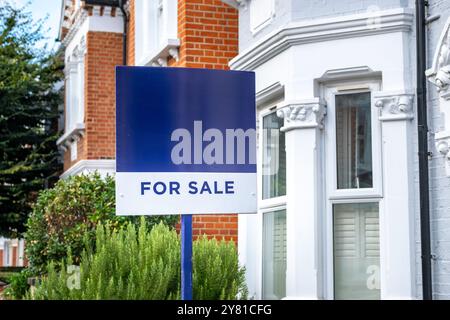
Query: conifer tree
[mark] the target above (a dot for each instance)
(29, 101)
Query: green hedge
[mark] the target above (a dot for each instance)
(138, 264)
(66, 214)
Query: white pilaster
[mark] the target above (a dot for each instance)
(302, 124)
(397, 245)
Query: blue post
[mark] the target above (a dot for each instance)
(186, 257)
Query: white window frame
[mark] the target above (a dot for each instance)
(151, 42)
(264, 205)
(330, 94)
(256, 28)
(348, 196)
(7, 256)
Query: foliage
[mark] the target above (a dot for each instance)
(138, 264)
(216, 274)
(18, 285)
(29, 113)
(6, 276)
(66, 215)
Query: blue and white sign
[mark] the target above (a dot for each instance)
(186, 141)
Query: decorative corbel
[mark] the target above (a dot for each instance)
(394, 106)
(302, 114)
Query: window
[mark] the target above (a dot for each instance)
(156, 29)
(353, 191)
(354, 141)
(274, 255)
(272, 204)
(356, 251)
(261, 13)
(7, 255)
(274, 158)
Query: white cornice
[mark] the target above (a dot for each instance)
(79, 20)
(318, 30)
(269, 93)
(82, 14)
(88, 166)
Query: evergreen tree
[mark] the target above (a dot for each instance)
(29, 102)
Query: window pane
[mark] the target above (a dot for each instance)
(274, 255)
(356, 251)
(274, 158)
(354, 141)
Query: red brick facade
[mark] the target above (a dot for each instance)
(104, 53)
(14, 257)
(208, 32)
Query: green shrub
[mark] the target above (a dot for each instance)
(68, 213)
(130, 264)
(18, 285)
(216, 271)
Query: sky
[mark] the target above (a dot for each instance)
(40, 9)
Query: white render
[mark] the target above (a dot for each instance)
(311, 59)
(439, 75)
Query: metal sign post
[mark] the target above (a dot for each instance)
(186, 257)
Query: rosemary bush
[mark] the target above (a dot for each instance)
(142, 264)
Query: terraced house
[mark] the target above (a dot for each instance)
(353, 143)
(360, 172)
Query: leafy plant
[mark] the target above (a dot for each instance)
(18, 285)
(216, 274)
(66, 216)
(137, 264)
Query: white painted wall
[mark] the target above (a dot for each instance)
(310, 56)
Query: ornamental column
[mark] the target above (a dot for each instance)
(302, 125)
(397, 236)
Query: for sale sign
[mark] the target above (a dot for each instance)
(185, 141)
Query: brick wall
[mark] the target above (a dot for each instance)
(104, 53)
(208, 31)
(14, 257)
(81, 154)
